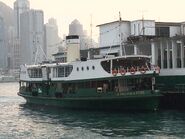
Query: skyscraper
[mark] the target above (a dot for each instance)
(75, 28)
(3, 50)
(52, 40)
(20, 6)
(31, 36)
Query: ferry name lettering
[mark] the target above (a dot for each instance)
(132, 93)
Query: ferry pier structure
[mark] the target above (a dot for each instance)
(164, 42)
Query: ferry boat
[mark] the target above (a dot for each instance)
(107, 83)
(4, 79)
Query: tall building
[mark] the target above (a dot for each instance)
(10, 46)
(52, 40)
(75, 28)
(32, 37)
(3, 50)
(20, 6)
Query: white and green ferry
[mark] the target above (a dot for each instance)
(109, 83)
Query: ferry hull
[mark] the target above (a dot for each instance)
(173, 90)
(112, 103)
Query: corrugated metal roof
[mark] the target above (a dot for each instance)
(168, 23)
(157, 23)
(112, 22)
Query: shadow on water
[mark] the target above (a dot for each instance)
(112, 124)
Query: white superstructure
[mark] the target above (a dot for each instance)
(83, 70)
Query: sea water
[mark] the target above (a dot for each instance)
(21, 121)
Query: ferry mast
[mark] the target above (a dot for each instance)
(120, 36)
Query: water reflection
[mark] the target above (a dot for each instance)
(111, 124)
(19, 120)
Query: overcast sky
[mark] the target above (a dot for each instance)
(103, 11)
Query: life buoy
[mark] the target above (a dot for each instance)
(157, 69)
(114, 72)
(142, 70)
(132, 70)
(122, 71)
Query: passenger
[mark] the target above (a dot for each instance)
(116, 89)
(105, 87)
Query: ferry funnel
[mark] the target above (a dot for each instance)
(73, 48)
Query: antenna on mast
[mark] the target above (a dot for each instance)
(38, 48)
(91, 29)
(120, 16)
(143, 27)
(120, 36)
(91, 45)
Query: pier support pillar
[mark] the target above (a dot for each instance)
(182, 54)
(135, 49)
(168, 54)
(162, 54)
(174, 54)
(154, 53)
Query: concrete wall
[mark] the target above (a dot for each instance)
(175, 30)
(139, 27)
(109, 33)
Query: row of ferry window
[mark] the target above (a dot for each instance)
(35, 73)
(61, 71)
(82, 68)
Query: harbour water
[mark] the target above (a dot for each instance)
(20, 121)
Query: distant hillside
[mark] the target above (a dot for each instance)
(7, 13)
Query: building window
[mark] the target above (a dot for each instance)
(162, 31)
(77, 69)
(55, 72)
(82, 68)
(68, 70)
(87, 68)
(61, 71)
(93, 67)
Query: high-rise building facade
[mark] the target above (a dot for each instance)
(3, 50)
(32, 37)
(20, 6)
(75, 28)
(52, 40)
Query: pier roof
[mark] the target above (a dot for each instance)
(112, 22)
(168, 23)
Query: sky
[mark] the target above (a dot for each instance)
(103, 11)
